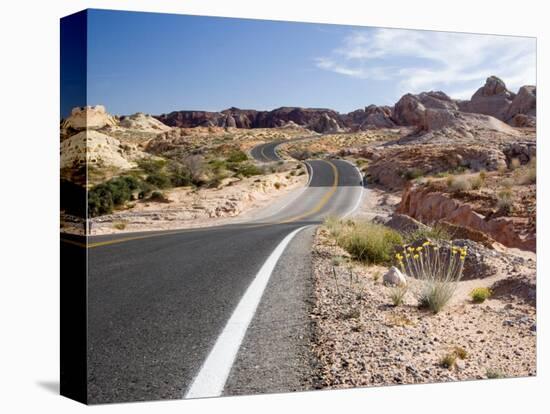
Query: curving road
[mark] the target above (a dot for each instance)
(211, 311)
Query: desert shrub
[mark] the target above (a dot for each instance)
(368, 242)
(151, 166)
(504, 201)
(477, 182)
(246, 169)
(413, 173)
(237, 156)
(196, 166)
(515, 163)
(460, 184)
(159, 179)
(158, 196)
(438, 269)
(397, 294)
(483, 175)
(120, 225)
(277, 185)
(103, 198)
(529, 174)
(494, 373)
(448, 360)
(180, 176)
(480, 294)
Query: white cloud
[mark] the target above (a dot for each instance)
(421, 60)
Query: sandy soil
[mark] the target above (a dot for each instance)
(363, 340)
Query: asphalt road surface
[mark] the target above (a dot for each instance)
(211, 311)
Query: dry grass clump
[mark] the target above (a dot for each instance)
(505, 202)
(439, 269)
(397, 294)
(480, 294)
(528, 174)
(494, 373)
(459, 183)
(120, 225)
(449, 360)
(477, 182)
(365, 241)
(515, 163)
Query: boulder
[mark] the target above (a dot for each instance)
(525, 103)
(377, 117)
(492, 99)
(394, 277)
(409, 111)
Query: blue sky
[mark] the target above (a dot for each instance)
(158, 63)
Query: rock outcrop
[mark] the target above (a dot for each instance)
(431, 207)
(96, 149)
(494, 99)
(318, 120)
(143, 122)
(88, 117)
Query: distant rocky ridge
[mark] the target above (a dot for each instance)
(425, 111)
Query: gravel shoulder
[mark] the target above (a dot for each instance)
(276, 355)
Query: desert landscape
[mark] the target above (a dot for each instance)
(448, 175)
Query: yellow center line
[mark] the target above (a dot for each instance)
(323, 201)
(314, 210)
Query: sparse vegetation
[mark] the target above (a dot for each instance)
(477, 182)
(397, 294)
(515, 163)
(459, 183)
(480, 294)
(449, 360)
(439, 270)
(413, 173)
(277, 185)
(528, 174)
(505, 202)
(120, 225)
(434, 233)
(365, 241)
(494, 373)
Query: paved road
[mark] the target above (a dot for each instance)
(159, 302)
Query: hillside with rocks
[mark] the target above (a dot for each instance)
(427, 111)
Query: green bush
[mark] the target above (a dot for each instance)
(159, 180)
(480, 294)
(103, 198)
(151, 166)
(237, 156)
(366, 241)
(246, 169)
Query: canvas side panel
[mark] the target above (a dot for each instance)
(73, 279)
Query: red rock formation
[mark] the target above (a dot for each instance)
(430, 207)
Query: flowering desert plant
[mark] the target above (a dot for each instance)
(438, 268)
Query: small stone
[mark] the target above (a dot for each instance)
(395, 277)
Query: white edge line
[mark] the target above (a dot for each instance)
(360, 198)
(211, 378)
